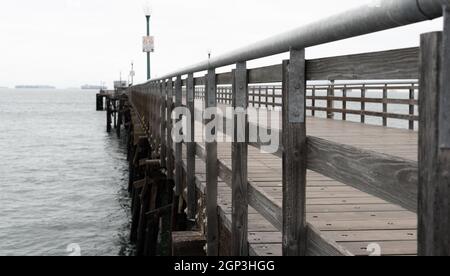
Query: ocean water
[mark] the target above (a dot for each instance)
(63, 179)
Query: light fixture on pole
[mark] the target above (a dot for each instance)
(148, 41)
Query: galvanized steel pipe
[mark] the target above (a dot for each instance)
(382, 15)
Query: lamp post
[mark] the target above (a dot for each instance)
(148, 13)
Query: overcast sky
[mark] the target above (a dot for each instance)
(68, 43)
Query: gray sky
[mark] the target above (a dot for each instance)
(68, 43)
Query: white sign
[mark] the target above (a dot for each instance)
(148, 44)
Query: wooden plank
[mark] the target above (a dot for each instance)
(372, 236)
(394, 64)
(434, 163)
(366, 113)
(268, 74)
(239, 233)
(388, 248)
(364, 224)
(178, 146)
(294, 155)
(190, 170)
(390, 178)
(211, 173)
(224, 78)
(319, 244)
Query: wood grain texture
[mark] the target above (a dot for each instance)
(294, 155)
(190, 151)
(211, 174)
(394, 64)
(390, 178)
(239, 229)
(434, 161)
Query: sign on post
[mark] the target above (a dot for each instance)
(148, 44)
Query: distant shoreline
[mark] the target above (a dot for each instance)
(34, 87)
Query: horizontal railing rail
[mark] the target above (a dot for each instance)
(340, 94)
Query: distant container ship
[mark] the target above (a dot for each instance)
(93, 87)
(34, 87)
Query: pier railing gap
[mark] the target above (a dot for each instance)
(420, 187)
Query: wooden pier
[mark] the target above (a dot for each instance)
(334, 187)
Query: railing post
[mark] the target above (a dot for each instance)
(294, 154)
(191, 151)
(385, 104)
(178, 146)
(169, 144)
(239, 229)
(274, 99)
(108, 114)
(330, 102)
(313, 101)
(163, 136)
(211, 172)
(411, 106)
(344, 103)
(434, 143)
(363, 104)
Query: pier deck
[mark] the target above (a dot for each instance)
(351, 218)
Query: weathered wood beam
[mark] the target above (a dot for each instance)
(211, 172)
(294, 154)
(239, 230)
(391, 178)
(178, 146)
(434, 143)
(190, 170)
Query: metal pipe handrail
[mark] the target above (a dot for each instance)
(382, 15)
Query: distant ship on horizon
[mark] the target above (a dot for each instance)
(34, 87)
(93, 87)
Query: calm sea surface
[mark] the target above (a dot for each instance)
(62, 177)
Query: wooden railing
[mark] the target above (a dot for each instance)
(341, 101)
(393, 179)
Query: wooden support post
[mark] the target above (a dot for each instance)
(313, 102)
(434, 143)
(363, 104)
(344, 103)
(169, 144)
(294, 155)
(274, 99)
(385, 105)
(411, 106)
(108, 115)
(266, 94)
(191, 151)
(99, 102)
(239, 229)
(178, 146)
(163, 95)
(211, 173)
(115, 112)
(330, 102)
